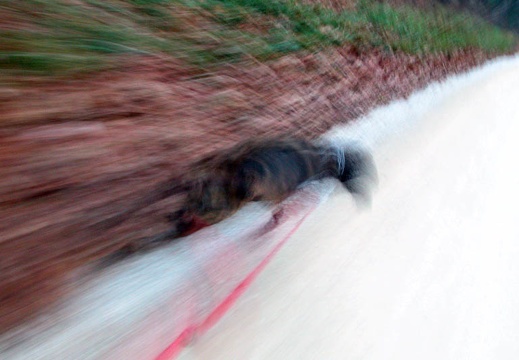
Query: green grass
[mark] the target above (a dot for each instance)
(413, 31)
(62, 37)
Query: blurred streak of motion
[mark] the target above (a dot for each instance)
(269, 171)
(103, 102)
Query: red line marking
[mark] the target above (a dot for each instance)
(174, 348)
(179, 343)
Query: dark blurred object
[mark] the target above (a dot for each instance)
(270, 170)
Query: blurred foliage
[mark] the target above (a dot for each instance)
(438, 30)
(69, 36)
(504, 13)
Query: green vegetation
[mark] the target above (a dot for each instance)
(414, 31)
(64, 36)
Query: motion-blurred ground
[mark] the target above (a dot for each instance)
(101, 101)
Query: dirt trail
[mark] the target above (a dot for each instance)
(430, 272)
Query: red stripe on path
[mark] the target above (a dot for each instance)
(180, 342)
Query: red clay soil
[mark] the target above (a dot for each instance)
(75, 153)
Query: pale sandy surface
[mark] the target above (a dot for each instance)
(430, 272)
